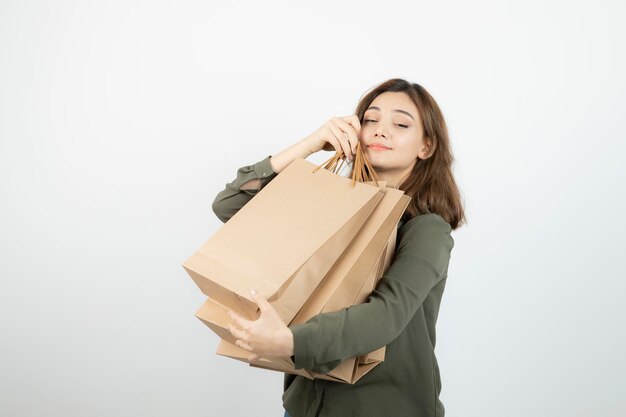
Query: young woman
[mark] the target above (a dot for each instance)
(403, 133)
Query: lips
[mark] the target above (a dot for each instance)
(378, 146)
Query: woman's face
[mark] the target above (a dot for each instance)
(393, 121)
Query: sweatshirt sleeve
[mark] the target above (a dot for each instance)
(232, 197)
(420, 263)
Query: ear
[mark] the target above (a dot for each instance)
(427, 150)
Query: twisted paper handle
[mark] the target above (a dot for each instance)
(362, 171)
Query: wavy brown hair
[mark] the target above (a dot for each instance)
(431, 184)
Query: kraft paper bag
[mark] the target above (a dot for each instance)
(284, 240)
(342, 285)
(350, 290)
(235, 352)
(352, 369)
(356, 274)
(215, 316)
(348, 371)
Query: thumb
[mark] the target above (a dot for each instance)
(261, 301)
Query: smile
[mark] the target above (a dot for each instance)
(378, 148)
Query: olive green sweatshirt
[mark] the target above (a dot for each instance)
(401, 314)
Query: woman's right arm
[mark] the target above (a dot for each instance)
(252, 178)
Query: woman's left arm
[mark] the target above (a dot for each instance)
(421, 262)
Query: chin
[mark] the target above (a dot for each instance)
(377, 156)
(378, 166)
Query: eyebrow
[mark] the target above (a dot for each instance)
(396, 110)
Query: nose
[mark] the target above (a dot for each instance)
(380, 132)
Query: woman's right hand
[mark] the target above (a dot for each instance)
(338, 133)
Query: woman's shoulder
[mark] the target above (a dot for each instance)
(426, 222)
(427, 236)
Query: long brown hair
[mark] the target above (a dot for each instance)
(431, 184)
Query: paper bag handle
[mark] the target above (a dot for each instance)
(362, 169)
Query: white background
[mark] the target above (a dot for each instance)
(121, 120)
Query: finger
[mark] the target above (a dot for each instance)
(238, 320)
(336, 144)
(261, 301)
(348, 136)
(347, 125)
(244, 345)
(267, 309)
(237, 333)
(343, 140)
(354, 121)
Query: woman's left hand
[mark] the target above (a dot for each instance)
(266, 337)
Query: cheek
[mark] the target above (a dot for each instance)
(409, 143)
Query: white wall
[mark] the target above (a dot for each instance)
(121, 120)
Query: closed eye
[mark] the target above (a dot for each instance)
(401, 125)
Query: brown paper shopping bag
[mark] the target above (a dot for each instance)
(284, 240)
(343, 283)
(353, 278)
(355, 275)
(352, 369)
(348, 282)
(348, 371)
(350, 293)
